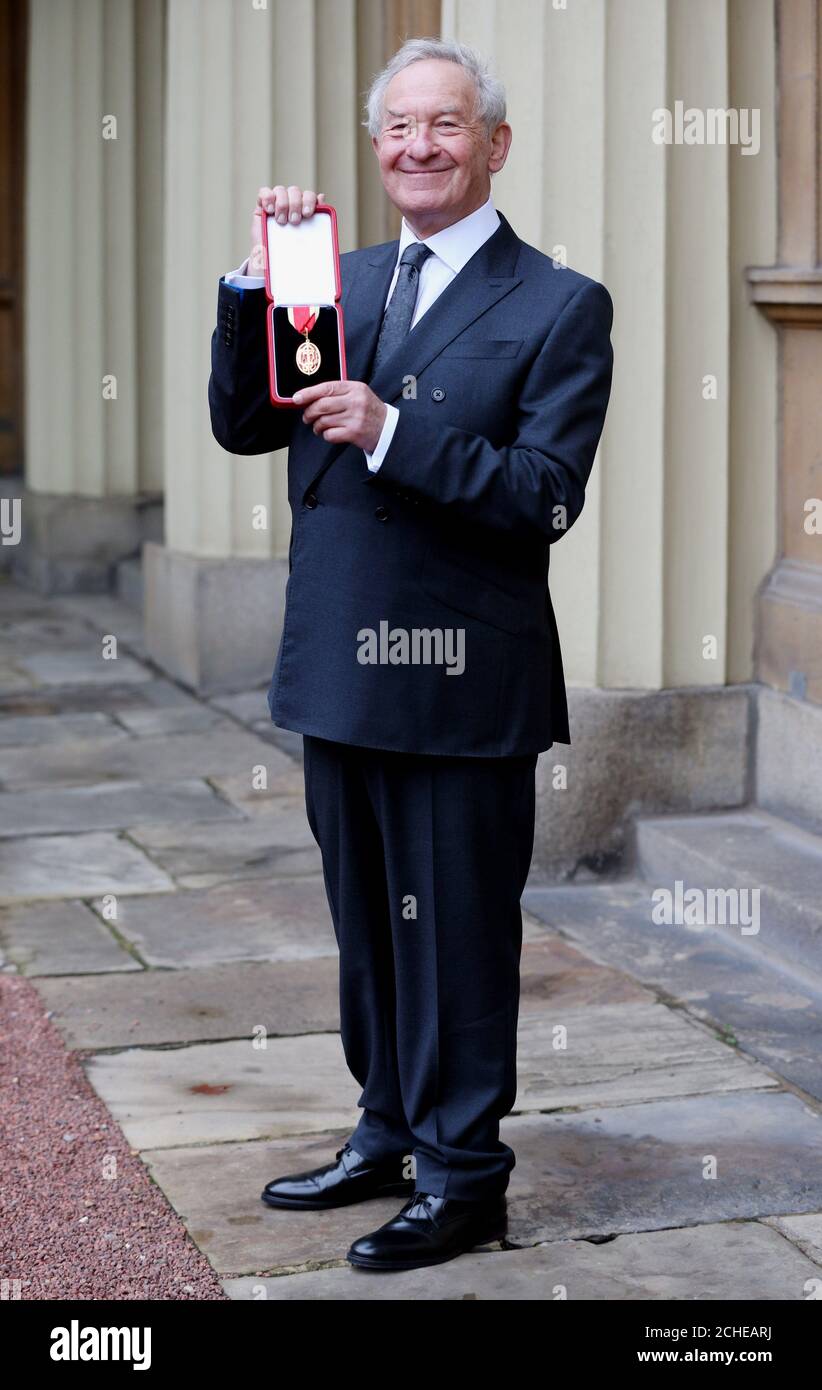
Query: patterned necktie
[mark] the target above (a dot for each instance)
(396, 320)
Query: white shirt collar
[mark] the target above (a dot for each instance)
(455, 245)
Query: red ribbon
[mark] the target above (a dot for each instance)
(303, 318)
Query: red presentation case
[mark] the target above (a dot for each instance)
(302, 268)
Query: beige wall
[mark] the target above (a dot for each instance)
(253, 96)
(753, 446)
(93, 254)
(126, 242)
(679, 524)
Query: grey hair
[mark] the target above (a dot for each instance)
(490, 106)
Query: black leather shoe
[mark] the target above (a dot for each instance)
(430, 1230)
(350, 1178)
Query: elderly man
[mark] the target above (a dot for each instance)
(426, 492)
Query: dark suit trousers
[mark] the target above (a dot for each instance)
(425, 859)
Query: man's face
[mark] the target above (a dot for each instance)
(435, 156)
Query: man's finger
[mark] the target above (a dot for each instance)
(317, 413)
(307, 394)
(326, 405)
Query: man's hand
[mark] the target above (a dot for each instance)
(343, 412)
(287, 205)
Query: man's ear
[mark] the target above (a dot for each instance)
(500, 145)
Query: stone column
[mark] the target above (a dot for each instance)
(654, 587)
(382, 27)
(93, 234)
(254, 95)
(789, 294)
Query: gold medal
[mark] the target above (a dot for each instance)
(303, 318)
(308, 357)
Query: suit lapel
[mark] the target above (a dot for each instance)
(363, 305)
(482, 282)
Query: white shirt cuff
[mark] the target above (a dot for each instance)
(242, 280)
(374, 460)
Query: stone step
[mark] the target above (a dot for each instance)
(743, 851)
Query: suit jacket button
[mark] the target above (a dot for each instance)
(381, 513)
(438, 394)
(310, 501)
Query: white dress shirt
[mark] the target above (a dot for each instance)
(452, 248)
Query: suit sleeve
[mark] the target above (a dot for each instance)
(243, 420)
(537, 483)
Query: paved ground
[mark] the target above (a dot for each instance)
(161, 892)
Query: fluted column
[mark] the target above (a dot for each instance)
(789, 294)
(654, 588)
(254, 95)
(92, 225)
(645, 578)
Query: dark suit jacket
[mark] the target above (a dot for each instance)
(502, 388)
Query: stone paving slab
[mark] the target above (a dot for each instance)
(36, 730)
(269, 919)
(166, 758)
(640, 1167)
(770, 1015)
(107, 613)
(153, 693)
(216, 1189)
(160, 1108)
(610, 1171)
(249, 706)
(286, 739)
(17, 603)
(805, 1232)
(52, 629)
(76, 866)
(620, 1053)
(111, 806)
(553, 973)
(14, 679)
(216, 1092)
(173, 719)
(532, 930)
(285, 778)
(61, 938)
(213, 1003)
(81, 666)
(279, 843)
(737, 1261)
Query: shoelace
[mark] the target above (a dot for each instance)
(419, 1200)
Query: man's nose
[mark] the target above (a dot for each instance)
(421, 144)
